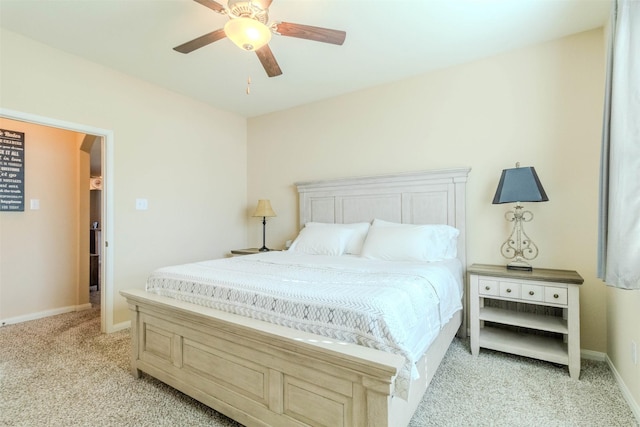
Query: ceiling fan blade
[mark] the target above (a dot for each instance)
(212, 5)
(268, 61)
(201, 41)
(324, 35)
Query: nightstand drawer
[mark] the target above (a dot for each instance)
(532, 292)
(555, 295)
(488, 287)
(509, 289)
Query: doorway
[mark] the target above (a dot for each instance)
(106, 203)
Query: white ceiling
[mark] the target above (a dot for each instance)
(386, 41)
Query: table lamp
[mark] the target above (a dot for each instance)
(264, 210)
(519, 185)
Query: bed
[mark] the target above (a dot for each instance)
(266, 373)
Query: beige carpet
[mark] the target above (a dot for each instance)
(61, 371)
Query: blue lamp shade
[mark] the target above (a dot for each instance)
(519, 185)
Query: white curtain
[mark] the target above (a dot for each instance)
(619, 231)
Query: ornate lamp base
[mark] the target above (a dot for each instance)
(519, 246)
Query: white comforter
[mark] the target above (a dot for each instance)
(398, 307)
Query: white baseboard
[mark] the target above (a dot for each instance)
(120, 326)
(593, 355)
(603, 357)
(43, 314)
(83, 307)
(635, 408)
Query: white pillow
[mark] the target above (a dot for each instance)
(355, 242)
(408, 242)
(444, 237)
(321, 241)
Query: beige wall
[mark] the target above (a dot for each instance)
(187, 159)
(623, 318)
(39, 268)
(541, 106)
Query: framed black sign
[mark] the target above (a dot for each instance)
(11, 171)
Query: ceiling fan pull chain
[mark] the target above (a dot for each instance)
(249, 85)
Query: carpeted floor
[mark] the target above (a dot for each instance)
(61, 371)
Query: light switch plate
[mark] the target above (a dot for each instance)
(34, 204)
(142, 204)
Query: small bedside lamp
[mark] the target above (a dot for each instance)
(519, 185)
(264, 210)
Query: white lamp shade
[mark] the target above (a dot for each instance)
(247, 33)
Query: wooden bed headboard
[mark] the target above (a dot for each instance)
(429, 197)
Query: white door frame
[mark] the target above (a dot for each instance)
(106, 273)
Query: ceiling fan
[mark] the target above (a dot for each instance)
(248, 28)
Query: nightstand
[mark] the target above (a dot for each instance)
(530, 313)
(249, 251)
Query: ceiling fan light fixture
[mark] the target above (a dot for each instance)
(247, 33)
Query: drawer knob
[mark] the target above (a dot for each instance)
(556, 295)
(531, 293)
(508, 290)
(486, 288)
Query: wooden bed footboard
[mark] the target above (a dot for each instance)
(257, 373)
